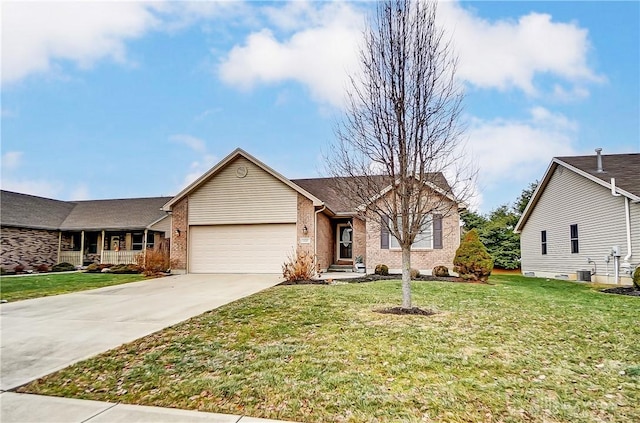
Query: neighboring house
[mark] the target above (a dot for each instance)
(242, 216)
(37, 230)
(584, 208)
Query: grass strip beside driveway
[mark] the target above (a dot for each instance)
(522, 349)
(14, 288)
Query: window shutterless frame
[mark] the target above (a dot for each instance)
(574, 239)
(543, 242)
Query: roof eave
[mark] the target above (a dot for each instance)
(238, 152)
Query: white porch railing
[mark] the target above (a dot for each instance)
(120, 257)
(73, 257)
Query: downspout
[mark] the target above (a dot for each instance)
(315, 237)
(627, 215)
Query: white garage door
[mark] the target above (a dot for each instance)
(240, 248)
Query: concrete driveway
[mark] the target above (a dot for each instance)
(43, 335)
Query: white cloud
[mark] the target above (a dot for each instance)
(510, 53)
(318, 56)
(500, 54)
(199, 167)
(196, 144)
(514, 150)
(79, 193)
(41, 188)
(11, 160)
(39, 36)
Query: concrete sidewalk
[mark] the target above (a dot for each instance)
(24, 408)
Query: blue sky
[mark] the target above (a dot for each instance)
(128, 99)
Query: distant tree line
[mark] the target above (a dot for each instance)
(496, 229)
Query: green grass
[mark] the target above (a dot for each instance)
(14, 288)
(521, 349)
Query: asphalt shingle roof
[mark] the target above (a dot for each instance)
(325, 190)
(28, 211)
(624, 167)
(127, 213)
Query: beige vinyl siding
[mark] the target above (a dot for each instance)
(573, 199)
(240, 248)
(258, 197)
(635, 232)
(163, 226)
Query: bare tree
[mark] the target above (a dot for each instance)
(401, 131)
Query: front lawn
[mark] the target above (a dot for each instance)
(14, 288)
(522, 349)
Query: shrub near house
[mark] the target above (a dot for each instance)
(472, 260)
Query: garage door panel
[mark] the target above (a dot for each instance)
(240, 248)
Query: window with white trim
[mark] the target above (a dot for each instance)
(423, 240)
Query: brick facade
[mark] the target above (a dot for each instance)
(359, 239)
(305, 241)
(423, 260)
(326, 241)
(179, 222)
(28, 247)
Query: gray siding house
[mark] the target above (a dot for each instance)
(583, 220)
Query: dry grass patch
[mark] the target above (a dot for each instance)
(519, 350)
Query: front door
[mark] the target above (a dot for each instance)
(344, 236)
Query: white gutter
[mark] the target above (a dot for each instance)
(315, 237)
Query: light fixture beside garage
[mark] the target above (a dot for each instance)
(177, 232)
(305, 230)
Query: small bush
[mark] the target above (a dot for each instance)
(636, 278)
(63, 267)
(382, 269)
(125, 269)
(472, 260)
(93, 268)
(157, 260)
(3, 271)
(414, 273)
(440, 271)
(42, 268)
(18, 268)
(298, 267)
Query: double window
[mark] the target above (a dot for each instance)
(574, 239)
(429, 237)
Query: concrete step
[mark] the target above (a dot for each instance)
(340, 268)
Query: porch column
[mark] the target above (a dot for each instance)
(102, 248)
(82, 248)
(144, 247)
(59, 245)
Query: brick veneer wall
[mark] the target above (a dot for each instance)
(359, 239)
(326, 242)
(305, 218)
(28, 247)
(423, 260)
(179, 221)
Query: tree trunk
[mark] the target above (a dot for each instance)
(406, 277)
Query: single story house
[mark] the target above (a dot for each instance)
(38, 231)
(243, 216)
(583, 220)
